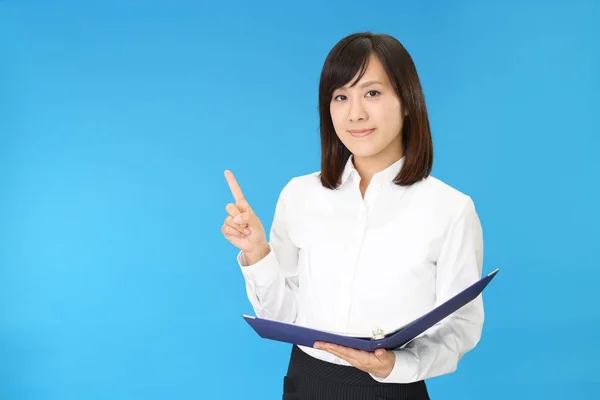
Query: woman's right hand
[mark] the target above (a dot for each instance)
(242, 227)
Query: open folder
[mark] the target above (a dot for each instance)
(303, 336)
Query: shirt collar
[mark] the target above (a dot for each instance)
(385, 176)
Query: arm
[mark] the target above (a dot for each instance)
(272, 280)
(440, 348)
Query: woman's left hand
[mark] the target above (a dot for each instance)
(379, 363)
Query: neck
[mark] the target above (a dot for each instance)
(370, 165)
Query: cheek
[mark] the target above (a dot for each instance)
(387, 116)
(336, 117)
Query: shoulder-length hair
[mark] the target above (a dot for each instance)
(349, 57)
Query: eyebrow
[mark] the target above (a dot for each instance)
(365, 84)
(362, 85)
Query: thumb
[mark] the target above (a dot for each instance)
(382, 354)
(245, 218)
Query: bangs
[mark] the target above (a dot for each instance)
(345, 61)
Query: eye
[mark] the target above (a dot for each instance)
(373, 93)
(338, 97)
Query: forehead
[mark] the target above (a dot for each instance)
(373, 72)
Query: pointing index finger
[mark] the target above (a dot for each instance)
(235, 188)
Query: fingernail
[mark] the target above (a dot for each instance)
(247, 231)
(238, 220)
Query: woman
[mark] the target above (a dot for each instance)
(371, 241)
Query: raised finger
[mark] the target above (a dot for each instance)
(235, 188)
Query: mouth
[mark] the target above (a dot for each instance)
(360, 132)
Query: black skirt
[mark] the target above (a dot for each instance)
(309, 378)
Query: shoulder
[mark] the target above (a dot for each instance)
(302, 184)
(296, 194)
(441, 198)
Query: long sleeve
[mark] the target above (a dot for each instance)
(272, 283)
(438, 350)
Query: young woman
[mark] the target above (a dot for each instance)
(371, 241)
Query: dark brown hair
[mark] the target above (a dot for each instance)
(349, 57)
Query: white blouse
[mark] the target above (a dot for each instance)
(345, 264)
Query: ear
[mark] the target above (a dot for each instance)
(404, 110)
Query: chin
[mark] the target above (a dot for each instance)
(364, 151)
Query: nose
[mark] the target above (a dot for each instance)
(357, 111)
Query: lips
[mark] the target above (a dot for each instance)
(360, 132)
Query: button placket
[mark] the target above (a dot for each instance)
(362, 224)
(361, 229)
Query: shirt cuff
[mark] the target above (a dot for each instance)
(261, 273)
(405, 368)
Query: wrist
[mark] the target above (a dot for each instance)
(257, 255)
(387, 369)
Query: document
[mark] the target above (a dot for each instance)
(303, 336)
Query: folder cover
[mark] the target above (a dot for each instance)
(303, 336)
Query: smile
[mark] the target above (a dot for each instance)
(360, 132)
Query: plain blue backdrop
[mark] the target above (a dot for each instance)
(117, 120)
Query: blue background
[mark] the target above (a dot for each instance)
(117, 120)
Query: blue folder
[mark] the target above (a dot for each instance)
(303, 336)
